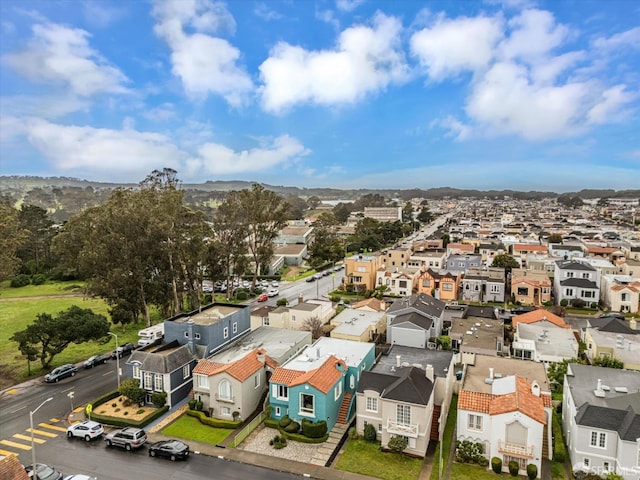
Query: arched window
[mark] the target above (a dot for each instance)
(224, 390)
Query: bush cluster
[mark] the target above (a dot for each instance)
(278, 442)
(21, 280)
(314, 429)
(369, 433)
(467, 451)
(532, 471)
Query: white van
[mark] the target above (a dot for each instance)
(150, 334)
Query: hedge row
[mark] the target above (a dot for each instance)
(269, 422)
(123, 422)
(214, 422)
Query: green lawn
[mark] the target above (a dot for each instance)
(467, 471)
(190, 428)
(366, 458)
(446, 441)
(56, 288)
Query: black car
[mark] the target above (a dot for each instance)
(95, 360)
(521, 310)
(123, 350)
(172, 449)
(43, 472)
(61, 372)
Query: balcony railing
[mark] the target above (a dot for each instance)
(396, 428)
(230, 399)
(515, 450)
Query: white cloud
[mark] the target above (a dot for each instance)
(630, 38)
(48, 107)
(612, 102)
(61, 55)
(160, 113)
(263, 11)
(102, 14)
(205, 64)
(454, 127)
(444, 48)
(348, 5)
(365, 60)
(219, 159)
(534, 34)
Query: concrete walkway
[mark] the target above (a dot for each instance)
(326, 449)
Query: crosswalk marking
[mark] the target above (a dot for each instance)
(6, 453)
(9, 443)
(42, 432)
(52, 427)
(54, 420)
(19, 436)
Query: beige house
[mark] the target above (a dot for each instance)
(295, 317)
(435, 259)
(621, 293)
(360, 271)
(397, 283)
(624, 347)
(358, 325)
(530, 287)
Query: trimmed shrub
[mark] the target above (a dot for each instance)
(369, 433)
(159, 399)
(242, 295)
(282, 302)
(38, 279)
(496, 465)
(214, 422)
(21, 280)
(293, 427)
(397, 444)
(314, 429)
(564, 302)
(278, 442)
(284, 421)
(192, 404)
(513, 468)
(483, 462)
(140, 411)
(199, 405)
(577, 303)
(532, 471)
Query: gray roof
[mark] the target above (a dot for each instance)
(425, 304)
(574, 265)
(440, 359)
(410, 385)
(415, 318)
(610, 324)
(164, 359)
(583, 381)
(578, 282)
(624, 421)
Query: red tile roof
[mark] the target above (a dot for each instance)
(539, 315)
(531, 247)
(322, 378)
(240, 369)
(474, 401)
(10, 468)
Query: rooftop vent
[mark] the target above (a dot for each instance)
(621, 389)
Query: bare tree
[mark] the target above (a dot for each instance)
(313, 325)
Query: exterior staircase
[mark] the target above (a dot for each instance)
(434, 434)
(344, 408)
(545, 441)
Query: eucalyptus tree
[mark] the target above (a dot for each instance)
(12, 237)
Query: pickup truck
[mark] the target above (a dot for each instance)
(123, 350)
(455, 305)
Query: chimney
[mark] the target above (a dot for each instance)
(300, 299)
(599, 385)
(383, 306)
(317, 351)
(491, 373)
(397, 360)
(633, 324)
(190, 342)
(261, 356)
(429, 372)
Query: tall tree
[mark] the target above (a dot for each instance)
(296, 207)
(50, 335)
(12, 237)
(37, 226)
(265, 215)
(407, 212)
(425, 216)
(504, 260)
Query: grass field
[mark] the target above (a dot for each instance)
(20, 306)
(366, 458)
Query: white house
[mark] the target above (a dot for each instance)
(575, 279)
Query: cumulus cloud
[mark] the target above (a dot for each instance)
(525, 80)
(365, 60)
(443, 49)
(219, 159)
(205, 64)
(60, 55)
(628, 38)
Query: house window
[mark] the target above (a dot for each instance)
(586, 462)
(186, 370)
(337, 391)
(568, 292)
(461, 264)
(225, 332)
(201, 381)
(226, 410)
(306, 404)
(371, 404)
(361, 269)
(136, 372)
(277, 411)
(280, 391)
(569, 275)
(523, 291)
(224, 390)
(379, 427)
(605, 465)
(196, 336)
(587, 294)
(467, 286)
(586, 275)
(495, 289)
(256, 381)
(265, 321)
(235, 327)
(158, 383)
(403, 414)
(186, 334)
(148, 381)
(474, 422)
(402, 283)
(624, 297)
(598, 439)
(447, 287)
(293, 318)
(477, 287)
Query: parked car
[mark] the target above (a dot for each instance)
(123, 350)
(95, 360)
(87, 430)
(617, 315)
(263, 297)
(521, 310)
(172, 449)
(317, 276)
(275, 284)
(43, 472)
(128, 438)
(273, 292)
(80, 476)
(61, 372)
(310, 278)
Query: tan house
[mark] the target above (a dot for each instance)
(358, 325)
(435, 258)
(624, 347)
(460, 249)
(530, 287)
(370, 304)
(394, 258)
(521, 250)
(397, 283)
(621, 293)
(360, 271)
(443, 286)
(295, 317)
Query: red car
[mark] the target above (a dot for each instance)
(263, 297)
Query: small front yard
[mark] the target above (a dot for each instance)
(190, 428)
(360, 456)
(119, 407)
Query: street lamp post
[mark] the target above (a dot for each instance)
(34, 473)
(117, 359)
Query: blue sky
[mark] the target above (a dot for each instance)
(527, 95)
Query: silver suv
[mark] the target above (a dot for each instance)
(127, 438)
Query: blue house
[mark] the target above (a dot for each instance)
(168, 367)
(321, 382)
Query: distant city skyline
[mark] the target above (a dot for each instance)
(513, 94)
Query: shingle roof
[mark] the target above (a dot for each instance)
(578, 282)
(425, 304)
(415, 318)
(412, 386)
(166, 360)
(612, 325)
(574, 265)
